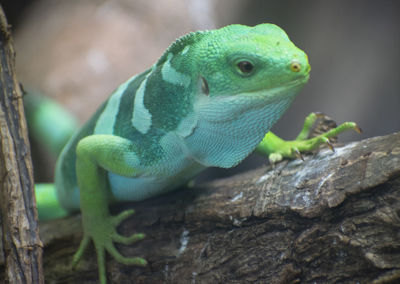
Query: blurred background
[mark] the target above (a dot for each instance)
(78, 51)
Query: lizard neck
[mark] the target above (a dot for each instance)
(227, 141)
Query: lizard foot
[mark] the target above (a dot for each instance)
(103, 232)
(277, 149)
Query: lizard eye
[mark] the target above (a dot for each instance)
(245, 67)
(295, 66)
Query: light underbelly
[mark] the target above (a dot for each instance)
(136, 189)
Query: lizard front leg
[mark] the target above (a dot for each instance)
(97, 154)
(277, 149)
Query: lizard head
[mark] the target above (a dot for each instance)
(245, 68)
(247, 78)
(240, 59)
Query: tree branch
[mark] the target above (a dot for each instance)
(333, 218)
(21, 247)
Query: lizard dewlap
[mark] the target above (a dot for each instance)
(209, 101)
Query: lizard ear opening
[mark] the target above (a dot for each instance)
(203, 86)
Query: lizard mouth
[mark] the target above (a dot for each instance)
(229, 108)
(273, 94)
(223, 109)
(301, 80)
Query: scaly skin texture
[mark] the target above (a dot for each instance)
(208, 101)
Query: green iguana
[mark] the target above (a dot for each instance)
(209, 101)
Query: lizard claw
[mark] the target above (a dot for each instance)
(358, 129)
(298, 154)
(327, 142)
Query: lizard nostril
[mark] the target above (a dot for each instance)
(295, 66)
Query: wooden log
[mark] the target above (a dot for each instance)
(21, 248)
(334, 218)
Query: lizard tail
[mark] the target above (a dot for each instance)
(49, 123)
(47, 202)
(52, 126)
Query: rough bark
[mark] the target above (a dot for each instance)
(20, 249)
(334, 218)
